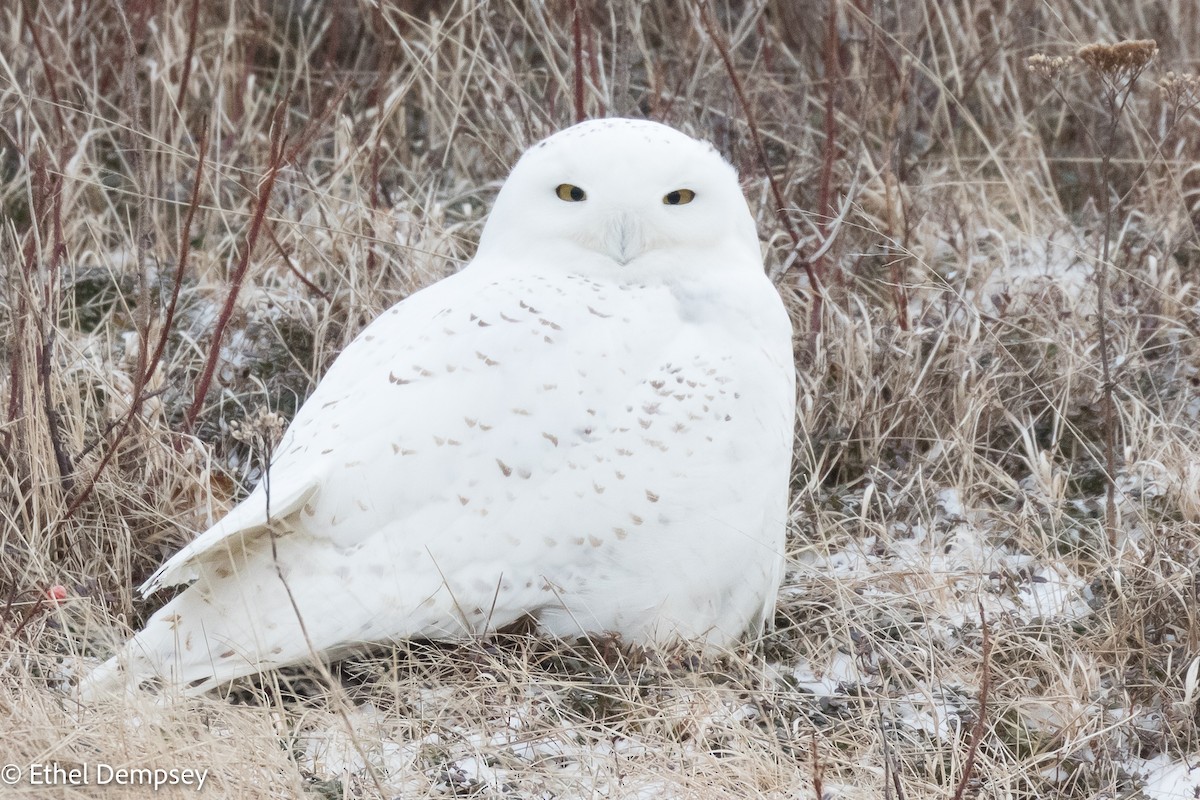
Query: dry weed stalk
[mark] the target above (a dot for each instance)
(1119, 63)
(1048, 67)
(811, 266)
(979, 725)
(1116, 68)
(261, 432)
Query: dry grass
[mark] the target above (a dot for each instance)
(310, 164)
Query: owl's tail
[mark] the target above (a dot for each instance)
(181, 650)
(145, 660)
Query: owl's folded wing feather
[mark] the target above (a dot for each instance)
(247, 521)
(295, 482)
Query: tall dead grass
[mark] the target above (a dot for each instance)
(203, 202)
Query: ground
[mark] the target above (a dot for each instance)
(985, 234)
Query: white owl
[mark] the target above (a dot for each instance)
(589, 425)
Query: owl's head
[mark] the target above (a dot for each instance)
(630, 192)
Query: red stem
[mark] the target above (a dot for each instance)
(829, 150)
(256, 222)
(718, 39)
(188, 52)
(978, 728)
(577, 55)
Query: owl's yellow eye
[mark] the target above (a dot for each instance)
(570, 193)
(679, 197)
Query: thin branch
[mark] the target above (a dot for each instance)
(184, 253)
(148, 367)
(577, 56)
(718, 39)
(275, 164)
(818, 769)
(31, 12)
(980, 725)
(188, 53)
(829, 148)
(49, 315)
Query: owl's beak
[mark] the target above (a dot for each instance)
(624, 238)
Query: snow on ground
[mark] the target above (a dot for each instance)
(954, 564)
(1168, 779)
(513, 754)
(1022, 273)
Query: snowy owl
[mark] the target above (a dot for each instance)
(589, 426)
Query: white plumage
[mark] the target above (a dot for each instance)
(590, 424)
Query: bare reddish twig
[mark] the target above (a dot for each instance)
(593, 60)
(183, 254)
(31, 11)
(188, 53)
(977, 728)
(718, 39)
(280, 156)
(23, 620)
(818, 773)
(50, 190)
(287, 262)
(829, 154)
(577, 55)
(49, 314)
(14, 368)
(265, 187)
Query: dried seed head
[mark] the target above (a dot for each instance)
(260, 430)
(1047, 67)
(1112, 59)
(1181, 90)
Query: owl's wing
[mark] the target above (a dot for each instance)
(530, 358)
(247, 520)
(296, 481)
